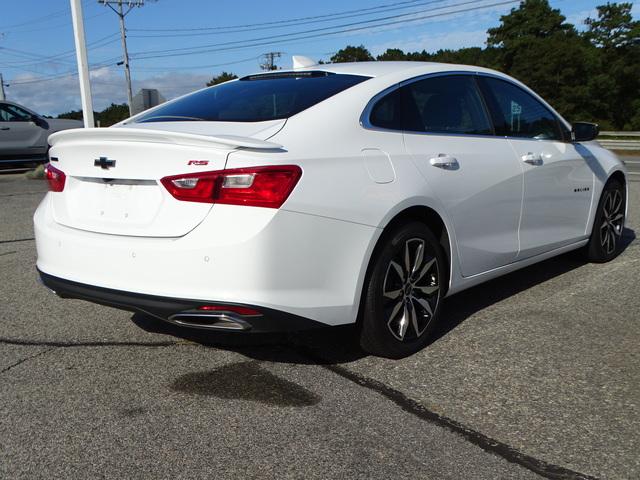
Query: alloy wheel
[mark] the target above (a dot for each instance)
(612, 221)
(411, 291)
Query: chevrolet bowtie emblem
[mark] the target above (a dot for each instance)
(104, 163)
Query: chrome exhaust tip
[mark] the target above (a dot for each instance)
(210, 321)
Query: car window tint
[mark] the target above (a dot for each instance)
(19, 115)
(9, 113)
(255, 98)
(447, 104)
(518, 114)
(387, 112)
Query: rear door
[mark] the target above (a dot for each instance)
(558, 181)
(475, 174)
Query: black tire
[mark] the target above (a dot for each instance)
(605, 242)
(395, 320)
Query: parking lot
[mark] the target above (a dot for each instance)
(536, 374)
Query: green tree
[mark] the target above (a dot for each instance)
(223, 77)
(352, 54)
(392, 54)
(614, 27)
(616, 39)
(74, 115)
(114, 113)
(535, 44)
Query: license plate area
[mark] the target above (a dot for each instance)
(119, 201)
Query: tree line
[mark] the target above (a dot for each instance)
(588, 75)
(114, 113)
(593, 75)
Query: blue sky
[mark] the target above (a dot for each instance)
(37, 57)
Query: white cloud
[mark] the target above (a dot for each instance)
(54, 96)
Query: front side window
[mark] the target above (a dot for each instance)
(518, 114)
(11, 113)
(255, 98)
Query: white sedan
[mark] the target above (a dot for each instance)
(325, 195)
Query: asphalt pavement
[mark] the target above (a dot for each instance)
(534, 375)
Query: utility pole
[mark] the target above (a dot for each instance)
(2, 95)
(83, 64)
(270, 60)
(120, 11)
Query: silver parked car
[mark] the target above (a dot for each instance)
(24, 134)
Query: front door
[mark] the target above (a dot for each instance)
(558, 182)
(18, 134)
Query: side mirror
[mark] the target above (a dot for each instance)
(584, 131)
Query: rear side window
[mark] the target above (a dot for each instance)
(447, 104)
(518, 114)
(388, 112)
(255, 98)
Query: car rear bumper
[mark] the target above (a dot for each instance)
(308, 266)
(182, 312)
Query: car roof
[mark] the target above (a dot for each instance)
(382, 68)
(9, 102)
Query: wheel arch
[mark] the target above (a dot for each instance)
(422, 213)
(621, 176)
(618, 174)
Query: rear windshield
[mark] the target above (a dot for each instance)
(255, 98)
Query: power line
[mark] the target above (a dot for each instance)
(277, 22)
(49, 16)
(314, 33)
(54, 26)
(293, 22)
(101, 42)
(58, 76)
(195, 67)
(44, 18)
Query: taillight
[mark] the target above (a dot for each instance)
(254, 186)
(55, 177)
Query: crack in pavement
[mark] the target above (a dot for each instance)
(30, 357)
(8, 253)
(413, 407)
(21, 193)
(18, 240)
(418, 410)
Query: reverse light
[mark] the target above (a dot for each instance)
(245, 311)
(56, 178)
(267, 187)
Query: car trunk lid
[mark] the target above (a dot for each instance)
(113, 178)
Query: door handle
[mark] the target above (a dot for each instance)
(532, 158)
(445, 161)
(5, 128)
